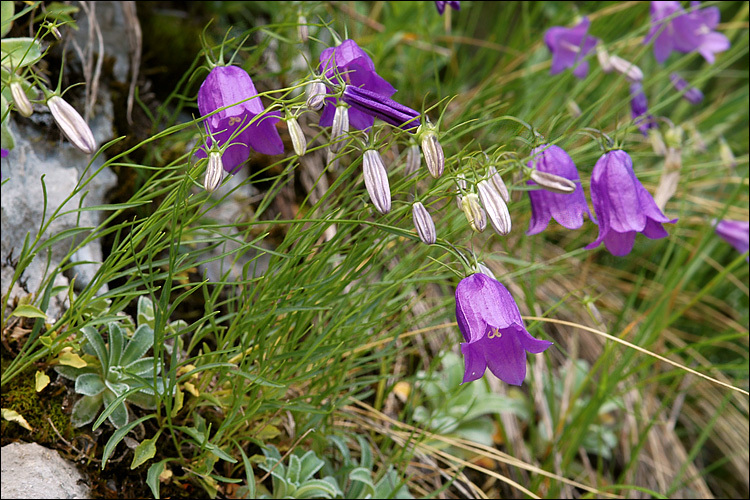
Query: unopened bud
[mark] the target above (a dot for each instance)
(316, 96)
(432, 150)
(214, 171)
(302, 28)
(726, 155)
(376, 181)
(55, 32)
(603, 56)
(552, 182)
(424, 223)
(673, 137)
(460, 188)
(497, 181)
(413, 159)
(298, 137)
(340, 126)
(497, 210)
(574, 108)
(657, 142)
(632, 72)
(474, 212)
(72, 124)
(23, 105)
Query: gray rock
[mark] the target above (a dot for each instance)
(33, 471)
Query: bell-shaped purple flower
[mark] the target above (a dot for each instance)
(495, 335)
(673, 29)
(622, 205)
(440, 6)
(356, 68)
(569, 46)
(227, 85)
(736, 233)
(567, 209)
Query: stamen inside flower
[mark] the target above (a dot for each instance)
(569, 46)
(494, 334)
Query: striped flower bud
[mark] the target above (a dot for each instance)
(552, 182)
(626, 68)
(474, 212)
(381, 106)
(23, 105)
(340, 126)
(298, 137)
(497, 182)
(424, 224)
(376, 181)
(433, 152)
(603, 56)
(302, 31)
(460, 188)
(413, 159)
(316, 94)
(72, 124)
(214, 171)
(497, 210)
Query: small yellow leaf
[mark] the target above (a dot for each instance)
(71, 359)
(13, 416)
(41, 380)
(191, 389)
(178, 400)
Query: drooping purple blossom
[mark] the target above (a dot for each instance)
(355, 67)
(736, 233)
(492, 326)
(380, 106)
(639, 108)
(441, 6)
(692, 94)
(569, 46)
(566, 209)
(227, 86)
(674, 29)
(622, 205)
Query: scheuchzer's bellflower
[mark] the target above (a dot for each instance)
(380, 106)
(569, 47)
(622, 205)
(495, 335)
(736, 233)
(227, 86)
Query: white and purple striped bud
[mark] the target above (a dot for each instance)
(432, 150)
(382, 107)
(474, 212)
(316, 95)
(626, 68)
(424, 223)
(497, 181)
(552, 182)
(603, 56)
(413, 160)
(340, 126)
(214, 171)
(299, 142)
(72, 124)
(376, 181)
(21, 100)
(497, 210)
(302, 31)
(461, 187)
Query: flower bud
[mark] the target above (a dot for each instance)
(214, 171)
(474, 212)
(726, 155)
(692, 94)
(460, 188)
(316, 94)
(23, 105)
(603, 56)
(376, 181)
(433, 152)
(573, 108)
(424, 224)
(497, 210)
(497, 182)
(298, 137)
(340, 126)
(552, 182)
(72, 124)
(413, 159)
(632, 72)
(302, 31)
(381, 107)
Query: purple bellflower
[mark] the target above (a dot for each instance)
(495, 335)
(382, 107)
(569, 46)
(692, 95)
(685, 32)
(441, 6)
(224, 86)
(639, 108)
(736, 233)
(357, 69)
(567, 209)
(622, 205)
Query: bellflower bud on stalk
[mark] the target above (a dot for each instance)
(376, 181)
(497, 182)
(316, 96)
(23, 105)
(552, 182)
(302, 31)
(381, 106)
(340, 126)
(474, 212)
(574, 109)
(496, 208)
(214, 171)
(424, 223)
(298, 137)
(603, 56)
(726, 155)
(632, 72)
(72, 124)
(432, 150)
(413, 159)
(460, 187)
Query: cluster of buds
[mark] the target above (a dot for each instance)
(494, 197)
